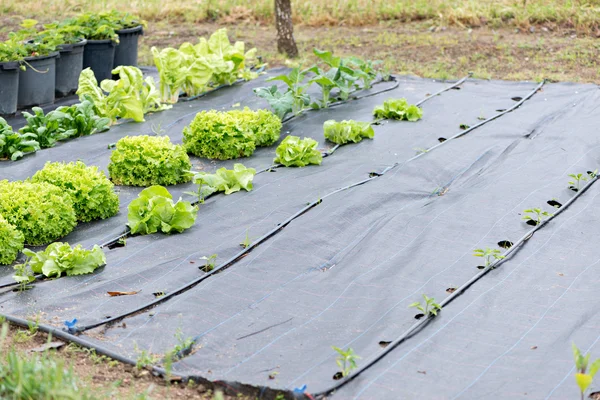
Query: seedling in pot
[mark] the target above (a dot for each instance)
(536, 216)
(430, 307)
(489, 255)
(576, 182)
(346, 360)
(582, 377)
(209, 263)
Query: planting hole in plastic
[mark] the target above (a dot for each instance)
(480, 266)
(517, 98)
(384, 344)
(419, 316)
(451, 290)
(442, 139)
(554, 203)
(338, 375)
(501, 110)
(531, 222)
(505, 244)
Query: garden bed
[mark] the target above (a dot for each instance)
(337, 252)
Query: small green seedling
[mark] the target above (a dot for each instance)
(346, 360)
(582, 377)
(247, 241)
(464, 126)
(592, 174)
(429, 308)
(157, 129)
(489, 255)
(23, 275)
(536, 215)
(209, 263)
(576, 182)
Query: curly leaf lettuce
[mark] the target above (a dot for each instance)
(398, 109)
(224, 180)
(347, 131)
(218, 135)
(155, 211)
(89, 188)
(296, 152)
(59, 258)
(11, 242)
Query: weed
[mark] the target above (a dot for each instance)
(23, 275)
(36, 377)
(346, 360)
(489, 255)
(157, 129)
(582, 377)
(209, 262)
(144, 359)
(429, 308)
(536, 215)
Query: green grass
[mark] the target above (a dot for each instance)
(581, 15)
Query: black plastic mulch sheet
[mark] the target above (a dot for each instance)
(344, 272)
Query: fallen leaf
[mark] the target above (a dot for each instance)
(112, 294)
(47, 346)
(422, 372)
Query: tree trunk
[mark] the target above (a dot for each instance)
(285, 30)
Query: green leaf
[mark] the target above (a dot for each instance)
(583, 381)
(154, 210)
(224, 180)
(347, 131)
(398, 109)
(281, 103)
(296, 152)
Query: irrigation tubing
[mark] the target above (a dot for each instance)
(460, 290)
(392, 79)
(239, 255)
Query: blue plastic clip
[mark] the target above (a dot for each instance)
(71, 325)
(301, 389)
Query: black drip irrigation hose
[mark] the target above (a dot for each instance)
(417, 326)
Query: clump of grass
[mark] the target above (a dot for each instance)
(36, 377)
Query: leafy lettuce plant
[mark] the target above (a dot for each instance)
(131, 96)
(41, 211)
(264, 125)
(198, 68)
(224, 180)
(347, 131)
(398, 109)
(14, 145)
(60, 258)
(11, 242)
(218, 135)
(296, 152)
(90, 190)
(155, 211)
(148, 160)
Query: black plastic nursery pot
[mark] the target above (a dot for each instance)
(9, 87)
(126, 52)
(68, 67)
(37, 81)
(99, 55)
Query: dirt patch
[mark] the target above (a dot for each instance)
(105, 377)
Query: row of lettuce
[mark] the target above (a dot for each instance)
(49, 205)
(33, 40)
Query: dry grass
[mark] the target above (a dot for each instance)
(583, 16)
